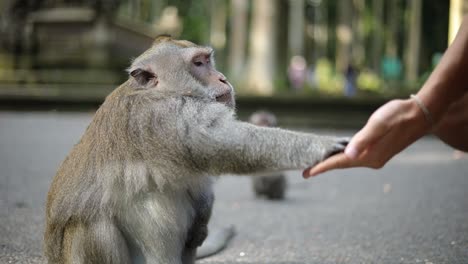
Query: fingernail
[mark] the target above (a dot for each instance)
(351, 152)
(306, 175)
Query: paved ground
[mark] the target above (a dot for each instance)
(415, 210)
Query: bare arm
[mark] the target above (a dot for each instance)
(453, 128)
(399, 123)
(449, 80)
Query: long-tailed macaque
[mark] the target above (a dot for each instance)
(137, 188)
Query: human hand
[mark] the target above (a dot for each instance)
(389, 130)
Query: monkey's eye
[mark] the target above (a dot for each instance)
(198, 63)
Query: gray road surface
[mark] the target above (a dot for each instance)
(415, 210)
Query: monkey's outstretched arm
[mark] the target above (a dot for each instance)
(222, 144)
(243, 148)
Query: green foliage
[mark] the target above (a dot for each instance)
(369, 81)
(6, 61)
(327, 80)
(195, 17)
(196, 20)
(280, 83)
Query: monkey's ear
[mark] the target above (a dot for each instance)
(144, 77)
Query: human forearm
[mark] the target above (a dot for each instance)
(445, 84)
(453, 128)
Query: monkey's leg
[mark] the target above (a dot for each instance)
(157, 225)
(96, 243)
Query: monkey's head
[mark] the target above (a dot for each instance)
(181, 67)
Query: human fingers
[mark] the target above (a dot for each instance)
(400, 134)
(377, 126)
(338, 161)
(372, 131)
(374, 156)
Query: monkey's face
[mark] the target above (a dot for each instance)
(181, 67)
(201, 66)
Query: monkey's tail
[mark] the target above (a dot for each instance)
(216, 241)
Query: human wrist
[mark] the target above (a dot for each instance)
(439, 97)
(416, 116)
(424, 109)
(435, 102)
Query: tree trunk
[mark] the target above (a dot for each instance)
(358, 44)
(262, 47)
(320, 30)
(344, 35)
(457, 9)
(414, 39)
(238, 39)
(296, 28)
(218, 29)
(393, 22)
(377, 11)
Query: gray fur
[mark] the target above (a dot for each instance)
(138, 185)
(271, 186)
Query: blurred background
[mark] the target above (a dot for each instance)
(317, 65)
(322, 48)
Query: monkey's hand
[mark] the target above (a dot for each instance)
(336, 146)
(331, 147)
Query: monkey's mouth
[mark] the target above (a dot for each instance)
(224, 98)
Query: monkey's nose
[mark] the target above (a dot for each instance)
(222, 78)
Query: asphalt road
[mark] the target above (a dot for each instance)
(415, 210)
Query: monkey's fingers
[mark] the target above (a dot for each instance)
(338, 161)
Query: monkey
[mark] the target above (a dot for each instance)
(273, 186)
(137, 187)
